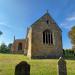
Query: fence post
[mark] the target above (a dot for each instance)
(62, 70)
(23, 68)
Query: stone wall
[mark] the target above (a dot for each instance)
(38, 49)
(15, 46)
(29, 37)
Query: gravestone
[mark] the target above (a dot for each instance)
(23, 68)
(62, 70)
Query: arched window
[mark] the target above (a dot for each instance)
(20, 46)
(47, 37)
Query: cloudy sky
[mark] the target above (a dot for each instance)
(17, 15)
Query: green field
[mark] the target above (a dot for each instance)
(38, 67)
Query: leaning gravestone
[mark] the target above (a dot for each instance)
(23, 68)
(62, 70)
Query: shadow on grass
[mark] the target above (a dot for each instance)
(66, 57)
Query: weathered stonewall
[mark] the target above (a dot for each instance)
(62, 70)
(23, 68)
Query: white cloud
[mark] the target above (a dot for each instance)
(68, 22)
(67, 25)
(4, 25)
(1, 23)
(4, 21)
(71, 18)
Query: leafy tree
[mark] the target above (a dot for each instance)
(4, 48)
(72, 36)
(9, 47)
(68, 52)
(1, 33)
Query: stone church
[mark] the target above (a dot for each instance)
(43, 39)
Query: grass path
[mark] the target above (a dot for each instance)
(38, 67)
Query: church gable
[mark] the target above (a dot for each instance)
(46, 20)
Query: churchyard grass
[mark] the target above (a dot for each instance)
(38, 66)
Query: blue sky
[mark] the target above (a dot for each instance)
(17, 15)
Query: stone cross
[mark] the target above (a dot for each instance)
(23, 68)
(62, 70)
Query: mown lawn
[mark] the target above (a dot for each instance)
(38, 66)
